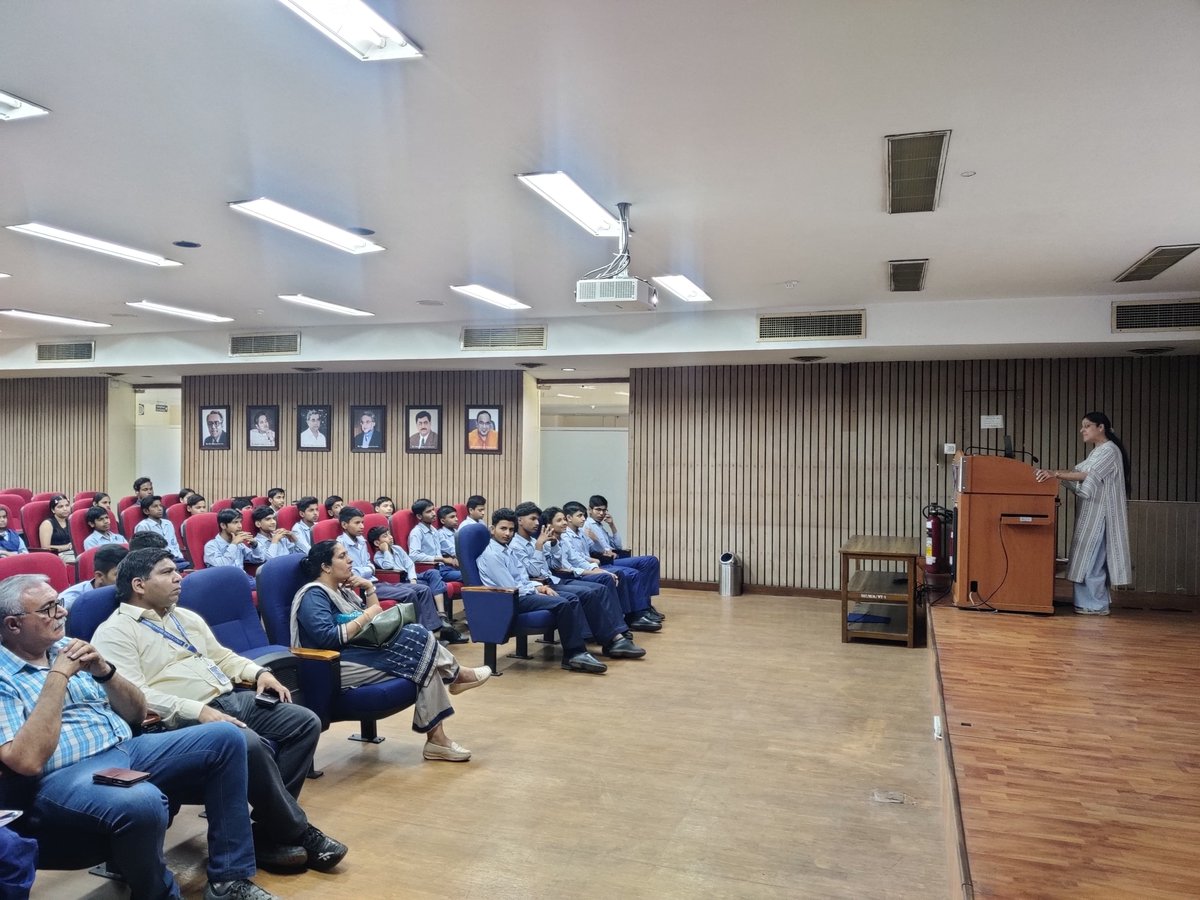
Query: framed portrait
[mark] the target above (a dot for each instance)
(368, 429)
(312, 427)
(424, 432)
(262, 427)
(484, 429)
(214, 427)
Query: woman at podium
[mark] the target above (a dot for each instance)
(1100, 545)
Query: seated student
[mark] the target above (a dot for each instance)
(142, 488)
(156, 523)
(11, 543)
(270, 541)
(390, 558)
(54, 531)
(424, 545)
(231, 546)
(448, 534)
(18, 863)
(182, 496)
(102, 499)
(60, 731)
(106, 560)
(604, 542)
(333, 505)
(641, 585)
(302, 530)
(384, 506)
(569, 559)
(187, 677)
(147, 540)
(600, 603)
(277, 498)
(351, 519)
(476, 510)
(193, 505)
(100, 523)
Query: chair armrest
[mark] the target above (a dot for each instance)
(306, 653)
(623, 554)
(387, 576)
(320, 681)
(490, 613)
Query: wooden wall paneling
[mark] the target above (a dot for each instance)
(55, 434)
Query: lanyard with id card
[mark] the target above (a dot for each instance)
(222, 678)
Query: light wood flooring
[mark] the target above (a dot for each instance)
(1075, 750)
(739, 759)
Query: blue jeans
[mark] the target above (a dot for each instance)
(18, 861)
(202, 764)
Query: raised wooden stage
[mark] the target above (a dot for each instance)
(1076, 749)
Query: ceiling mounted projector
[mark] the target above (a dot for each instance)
(612, 285)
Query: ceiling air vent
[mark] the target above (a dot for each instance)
(511, 337)
(75, 351)
(264, 344)
(908, 274)
(813, 326)
(1165, 315)
(914, 170)
(1157, 260)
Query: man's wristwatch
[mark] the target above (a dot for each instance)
(261, 672)
(107, 676)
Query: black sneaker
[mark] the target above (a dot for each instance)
(661, 616)
(242, 889)
(279, 857)
(323, 851)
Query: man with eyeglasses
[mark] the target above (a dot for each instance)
(217, 435)
(66, 713)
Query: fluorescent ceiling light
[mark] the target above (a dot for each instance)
(4, 275)
(325, 305)
(568, 368)
(487, 295)
(57, 320)
(15, 108)
(303, 223)
(683, 288)
(568, 396)
(360, 30)
(177, 311)
(570, 198)
(621, 393)
(50, 233)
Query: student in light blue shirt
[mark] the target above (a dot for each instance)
(390, 558)
(105, 562)
(604, 542)
(448, 534)
(229, 547)
(310, 511)
(424, 545)
(270, 542)
(157, 523)
(11, 543)
(100, 522)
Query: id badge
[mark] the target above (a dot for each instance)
(222, 678)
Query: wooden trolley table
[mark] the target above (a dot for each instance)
(894, 588)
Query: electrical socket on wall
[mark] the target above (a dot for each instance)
(949, 449)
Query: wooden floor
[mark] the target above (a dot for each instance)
(1076, 746)
(739, 759)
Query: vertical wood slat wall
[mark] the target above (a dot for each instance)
(780, 464)
(54, 433)
(448, 477)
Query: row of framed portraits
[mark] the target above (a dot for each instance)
(367, 432)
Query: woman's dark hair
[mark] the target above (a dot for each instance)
(1099, 418)
(321, 554)
(98, 496)
(57, 499)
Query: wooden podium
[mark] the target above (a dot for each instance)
(1004, 536)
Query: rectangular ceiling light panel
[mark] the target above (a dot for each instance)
(306, 225)
(561, 190)
(915, 164)
(683, 288)
(324, 305)
(487, 295)
(13, 107)
(908, 274)
(1155, 262)
(355, 27)
(53, 320)
(179, 311)
(71, 239)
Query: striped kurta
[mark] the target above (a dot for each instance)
(1100, 516)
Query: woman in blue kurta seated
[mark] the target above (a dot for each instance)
(327, 614)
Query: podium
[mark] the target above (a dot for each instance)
(1004, 536)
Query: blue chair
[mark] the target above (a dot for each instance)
(89, 611)
(492, 613)
(320, 670)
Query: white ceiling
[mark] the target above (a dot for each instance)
(748, 136)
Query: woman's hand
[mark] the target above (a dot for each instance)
(1044, 474)
(357, 582)
(372, 611)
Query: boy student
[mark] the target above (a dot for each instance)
(269, 542)
(569, 559)
(384, 506)
(11, 543)
(106, 561)
(604, 543)
(154, 522)
(277, 498)
(231, 546)
(333, 505)
(447, 534)
(419, 595)
(390, 558)
(100, 523)
(310, 511)
(476, 510)
(600, 604)
(424, 545)
(143, 488)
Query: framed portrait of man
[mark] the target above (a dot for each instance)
(483, 429)
(262, 423)
(214, 427)
(424, 429)
(312, 427)
(368, 429)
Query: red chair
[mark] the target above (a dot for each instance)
(24, 493)
(248, 525)
(82, 504)
(403, 522)
(37, 564)
(13, 503)
(34, 514)
(223, 503)
(322, 512)
(45, 495)
(363, 506)
(125, 502)
(85, 495)
(201, 529)
(260, 501)
(85, 564)
(461, 509)
(77, 522)
(130, 516)
(176, 515)
(328, 530)
(287, 517)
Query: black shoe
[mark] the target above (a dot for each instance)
(323, 851)
(585, 662)
(660, 616)
(279, 857)
(454, 636)
(623, 648)
(649, 613)
(644, 624)
(242, 889)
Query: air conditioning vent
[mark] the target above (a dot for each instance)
(512, 337)
(908, 274)
(76, 351)
(1165, 315)
(813, 326)
(264, 344)
(914, 170)
(1155, 262)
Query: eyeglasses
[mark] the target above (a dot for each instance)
(50, 610)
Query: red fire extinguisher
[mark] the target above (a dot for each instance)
(937, 545)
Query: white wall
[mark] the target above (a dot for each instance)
(579, 462)
(157, 436)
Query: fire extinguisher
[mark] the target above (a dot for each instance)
(937, 550)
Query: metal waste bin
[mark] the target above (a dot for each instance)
(730, 583)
